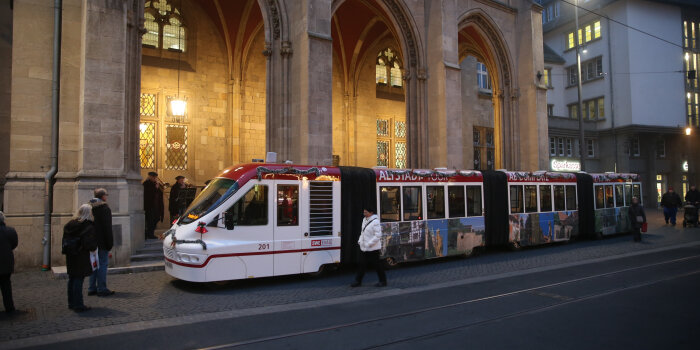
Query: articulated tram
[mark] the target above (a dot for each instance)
(259, 220)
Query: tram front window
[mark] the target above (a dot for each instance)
(211, 197)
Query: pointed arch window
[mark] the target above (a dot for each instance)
(165, 27)
(388, 75)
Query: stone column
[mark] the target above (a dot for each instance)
(310, 82)
(531, 94)
(444, 87)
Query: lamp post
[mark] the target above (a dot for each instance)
(579, 41)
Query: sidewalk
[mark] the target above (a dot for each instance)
(154, 295)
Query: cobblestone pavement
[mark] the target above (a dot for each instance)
(155, 295)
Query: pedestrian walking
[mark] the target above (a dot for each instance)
(8, 242)
(152, 203)
(671, 201)
(78, 242)
(370, 245)
(692, 196)
(176, 202)
(102, 215)
(637, 218)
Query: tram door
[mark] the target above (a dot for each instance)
(288, 229)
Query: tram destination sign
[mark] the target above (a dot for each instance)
(564, 165)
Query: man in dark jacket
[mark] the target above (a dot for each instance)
(671, 201)
(177, 199)
(8, 242)
(105, 241)
(152, 203)
(692, 196)
(637, 218)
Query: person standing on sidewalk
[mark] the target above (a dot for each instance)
(176, 201)
(78, 241)
(8, 242)
(692, 196)
(671, 201)
(370, 245)
(637, 218)
(105, 240)
(152, 203)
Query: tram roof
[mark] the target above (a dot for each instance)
(615, 177)
(269, 171)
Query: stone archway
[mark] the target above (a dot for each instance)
(479, 37)
(400, 24)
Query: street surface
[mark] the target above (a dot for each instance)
(611, 293)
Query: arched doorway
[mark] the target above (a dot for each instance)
(211, 55)
(374, 85)
(486, 80)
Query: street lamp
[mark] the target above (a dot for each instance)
(688, 131)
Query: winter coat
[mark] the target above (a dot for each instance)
(8, 242)
(152, 200)
(370, 237)
(692, 196)
(634, 211)
(103, 224)
(671, 200)
(79, 265)
(175, 203)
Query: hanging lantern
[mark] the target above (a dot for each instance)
(178, 107)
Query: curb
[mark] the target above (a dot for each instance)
(60, 272)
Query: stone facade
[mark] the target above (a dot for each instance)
(258, 76)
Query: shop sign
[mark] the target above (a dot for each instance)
(565, 165)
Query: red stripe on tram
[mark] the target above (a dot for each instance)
(247, 254)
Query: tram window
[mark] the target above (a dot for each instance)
(436, 202)
(619, 199)
(530, 199)
(412, 203)
(474, 201)
(570, 197)
(609, 196)
(251, 209)
(456, 201)
(545, 198)
(628, 195)
(287, 205)
(390, 203)
(559, 203)
(516, 199)
(636, 192)
(599, 197)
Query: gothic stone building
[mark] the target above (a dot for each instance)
(400, 83)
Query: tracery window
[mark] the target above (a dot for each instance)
(165, 27)
(388, 68)
(391, 142)
(163, 137)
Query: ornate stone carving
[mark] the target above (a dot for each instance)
(267, 52)
(421, 74)
(400, 17)
(286, 49)
(274, 18)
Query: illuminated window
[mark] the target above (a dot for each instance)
(388, 69)
(148, 105)
(588, 32)
(165, 28)
(147, 145)
(547, 77)
(484, 148)
(391, 142)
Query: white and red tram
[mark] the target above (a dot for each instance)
(258, 220)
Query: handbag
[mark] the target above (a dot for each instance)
(644, 227)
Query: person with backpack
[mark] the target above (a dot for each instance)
(78, 242)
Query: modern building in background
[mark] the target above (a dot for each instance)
(640, 89)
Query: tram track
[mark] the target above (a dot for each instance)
(561, 301)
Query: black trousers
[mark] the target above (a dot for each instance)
(370, 258)
(151, 223)
(6, 287)
(637, 234)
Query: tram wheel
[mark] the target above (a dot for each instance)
(390, 262)
(514, 246)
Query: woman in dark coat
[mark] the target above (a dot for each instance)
(637, 218)
(81, 230)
